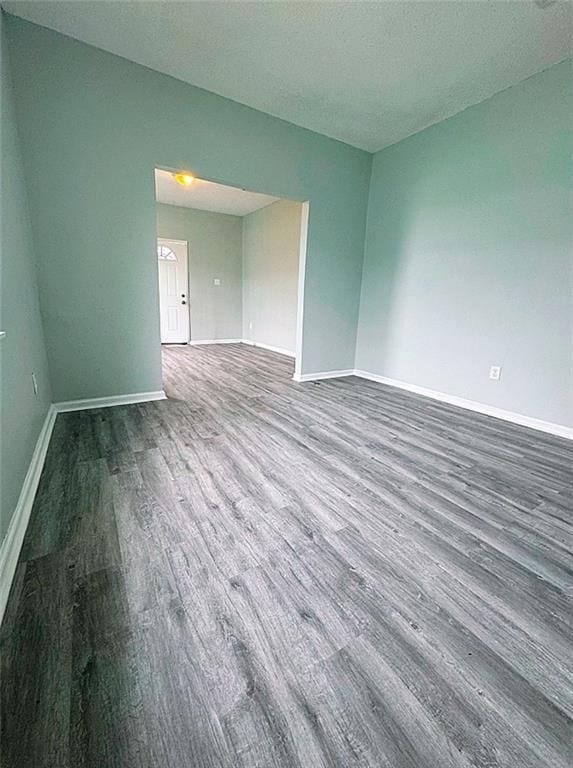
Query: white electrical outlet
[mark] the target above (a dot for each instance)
(35, 384)
(495, 372)
(216, 281)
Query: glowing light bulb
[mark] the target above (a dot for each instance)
(185, 179)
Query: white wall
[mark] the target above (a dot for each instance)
(271, 244)
(468, 258)
(22, 351)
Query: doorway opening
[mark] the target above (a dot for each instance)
(230, 266)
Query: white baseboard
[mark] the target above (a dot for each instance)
(550, 427)
(106, 402)
(270, 347)
(472, 405)
(323, 375)
(12, 544)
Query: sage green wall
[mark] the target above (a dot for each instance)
(468, 259)
(215, 250)
(22, 350)
(271, 246)
(93, 127)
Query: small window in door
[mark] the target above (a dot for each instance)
(165, 254)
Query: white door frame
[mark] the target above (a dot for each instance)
(185, 243)
(304, 217)
(301, 260)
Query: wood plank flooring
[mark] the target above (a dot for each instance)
(257, 573)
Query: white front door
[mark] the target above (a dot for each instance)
(173, 291)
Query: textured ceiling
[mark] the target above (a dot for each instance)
(366, 73)
(208, 196)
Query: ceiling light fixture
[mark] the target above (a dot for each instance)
(185, 179)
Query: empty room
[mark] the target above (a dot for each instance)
(286, 384)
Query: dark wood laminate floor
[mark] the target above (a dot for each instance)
(258, 573)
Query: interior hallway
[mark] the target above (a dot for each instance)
(262, 573)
